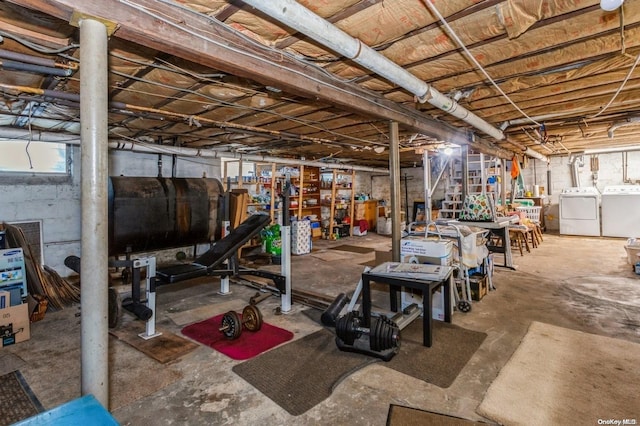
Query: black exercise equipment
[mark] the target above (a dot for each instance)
(381, 340)
(231, 324)
(329, 316)
(221, 251)
(141, 308)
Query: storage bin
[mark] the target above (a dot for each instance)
(532, 212)
(632, 254)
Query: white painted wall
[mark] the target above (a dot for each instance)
(57, 205)
(610, 173)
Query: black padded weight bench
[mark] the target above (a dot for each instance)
(225, 248)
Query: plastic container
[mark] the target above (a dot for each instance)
(632, 254)
(532, 212)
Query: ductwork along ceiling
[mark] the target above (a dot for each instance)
(233, 76)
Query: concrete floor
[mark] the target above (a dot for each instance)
(580, 283)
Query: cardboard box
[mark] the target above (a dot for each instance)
(13, 277)
(14, 323)
(411, 296)
(479, 286)
(424, 250)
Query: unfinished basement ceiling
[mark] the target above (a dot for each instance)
(221, 75)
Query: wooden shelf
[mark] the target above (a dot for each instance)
(340, 181)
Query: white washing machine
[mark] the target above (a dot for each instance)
(621, 211)
(580, 211)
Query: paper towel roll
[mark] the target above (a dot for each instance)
(536, 190)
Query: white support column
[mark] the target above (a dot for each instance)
(94, 182)
(224, 281)
(285, 267)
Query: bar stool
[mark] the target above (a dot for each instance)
(518, 235)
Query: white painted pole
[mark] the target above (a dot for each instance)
(285, 266)
(94, 194)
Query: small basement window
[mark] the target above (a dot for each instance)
(24, 158)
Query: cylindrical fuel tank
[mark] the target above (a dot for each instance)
(156, 213)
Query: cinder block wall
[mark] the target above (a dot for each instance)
(610, 172)
(57, 205)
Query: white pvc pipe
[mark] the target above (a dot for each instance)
(294, 15)
(94, 196)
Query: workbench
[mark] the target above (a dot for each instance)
(427, 278)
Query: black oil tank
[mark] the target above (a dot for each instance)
(147, 213)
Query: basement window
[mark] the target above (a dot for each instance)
(20, 158)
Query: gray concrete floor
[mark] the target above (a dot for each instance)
(580, 283)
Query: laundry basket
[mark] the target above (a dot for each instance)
(532, 212)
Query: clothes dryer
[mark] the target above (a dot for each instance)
(580, 211)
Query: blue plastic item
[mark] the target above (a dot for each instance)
(85, 411)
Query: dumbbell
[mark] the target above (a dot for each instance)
(232, 325)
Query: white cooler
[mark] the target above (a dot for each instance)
(426, 250)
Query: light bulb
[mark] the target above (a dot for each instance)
(610, 5)
(448, 150)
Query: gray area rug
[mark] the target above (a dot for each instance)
(17, 401)
(561, 376)
(440, 364)
(452, 348)
(352, 249)
(303, 373)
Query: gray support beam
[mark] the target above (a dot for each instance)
(464, 156)
(428, 190)
(94, 193)
(394, 168)
(504, 183)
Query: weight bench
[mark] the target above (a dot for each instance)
(225, 248)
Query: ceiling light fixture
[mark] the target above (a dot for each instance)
(610, 5)
(378, 149)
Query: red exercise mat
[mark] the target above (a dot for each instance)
(248, 345)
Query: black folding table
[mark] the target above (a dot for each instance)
(427, 278)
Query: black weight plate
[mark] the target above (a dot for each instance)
(231, 326)
(374, 335)
(115, 308)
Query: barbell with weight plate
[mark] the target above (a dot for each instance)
(232, 325)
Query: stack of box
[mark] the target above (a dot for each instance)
(431, 251)
(300, 237)
(14, 313)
